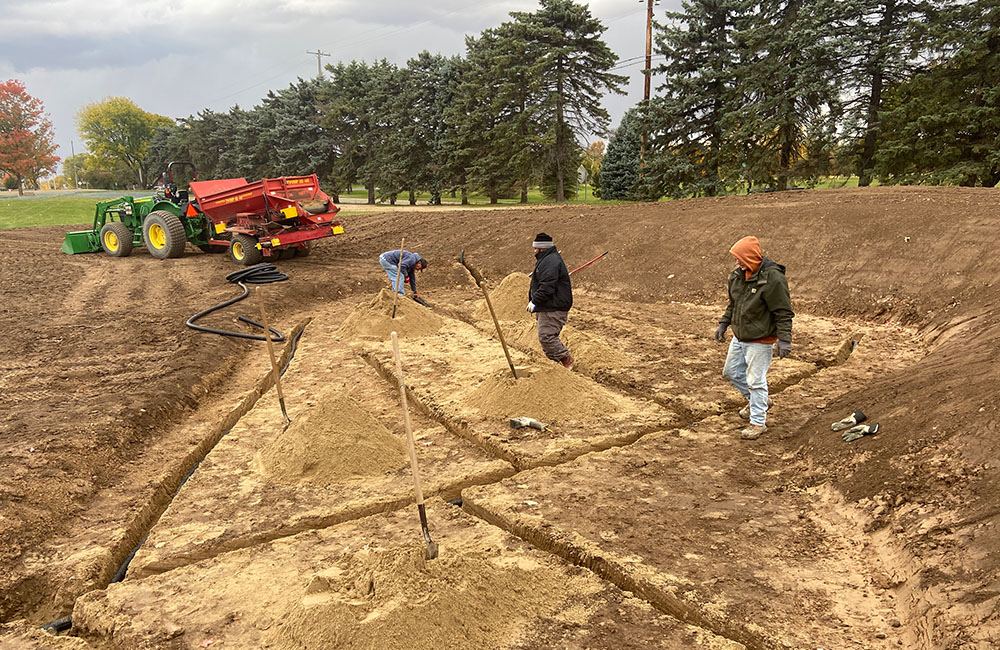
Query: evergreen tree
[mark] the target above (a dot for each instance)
(687, 120)
(942, 125)
(792, 53)
(882, 37)
(620, 168)
(571, 66)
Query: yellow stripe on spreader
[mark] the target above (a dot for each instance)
(259, 247)
(275, 242)
(220, 227)
(290, 212)
(338, 230)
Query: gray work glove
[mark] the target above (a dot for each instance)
(784, 349)
(854, 418)
(860, 431)
(720, 332)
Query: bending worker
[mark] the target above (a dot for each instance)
(550, 298)
(760, 312)
(411, 263)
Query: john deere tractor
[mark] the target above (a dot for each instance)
(268, 219)
(159, 221)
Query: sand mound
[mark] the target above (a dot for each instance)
(548, 392)
(592, 354)
(393, 598)
(373, 319)
(509, 299)
(337, 440)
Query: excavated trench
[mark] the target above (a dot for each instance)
(681, 418)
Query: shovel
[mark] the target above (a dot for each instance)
(431, 551)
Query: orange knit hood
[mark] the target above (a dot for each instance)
(747, 251)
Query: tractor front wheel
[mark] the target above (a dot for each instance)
(116, 239)
(243, 250)
(164, 234)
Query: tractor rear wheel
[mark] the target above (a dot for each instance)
(116, 239)
(164, 234)
(243, 250)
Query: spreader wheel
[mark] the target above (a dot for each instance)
(305, 249)
(116, 239)
(164, 234)
(243, 250)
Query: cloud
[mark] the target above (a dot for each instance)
(177, 57)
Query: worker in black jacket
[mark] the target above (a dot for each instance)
(550, 298)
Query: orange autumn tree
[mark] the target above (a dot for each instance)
(26, 148)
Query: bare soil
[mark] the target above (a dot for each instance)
(641, 488)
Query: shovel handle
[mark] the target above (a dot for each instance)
(410, 447)
(399, 267)
(496, 323)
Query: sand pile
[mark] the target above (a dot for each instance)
(548, 392)
(393, 598)
(373, 319)
(592, 354)
(335, 441)
(509, 299)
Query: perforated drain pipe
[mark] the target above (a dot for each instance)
(66, 622)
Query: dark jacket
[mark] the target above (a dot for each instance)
(760, 307)
(550, 286)
(406, 268)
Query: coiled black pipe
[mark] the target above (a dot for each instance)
(263, 273)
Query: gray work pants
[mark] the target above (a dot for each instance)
(550, 324)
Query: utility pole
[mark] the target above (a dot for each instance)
(319, 61)
(73, 153)
(648, 72)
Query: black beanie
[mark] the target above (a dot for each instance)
(542, 241)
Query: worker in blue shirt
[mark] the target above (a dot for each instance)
(412, 262)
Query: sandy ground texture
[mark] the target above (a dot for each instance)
(367, 584)
(107, 402)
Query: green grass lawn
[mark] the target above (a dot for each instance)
(53, 208)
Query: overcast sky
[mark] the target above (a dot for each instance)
(177, 57)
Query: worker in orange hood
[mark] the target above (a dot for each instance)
(760, 313)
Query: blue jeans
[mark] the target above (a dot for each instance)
(396, 283)
(746, 368)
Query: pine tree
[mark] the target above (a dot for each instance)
(687, 120)
(942, 125)
(791, 59)
(620, 167)
(571, 66)
(882, 37)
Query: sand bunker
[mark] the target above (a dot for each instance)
(509, 299)
(393, 598)
(373, 319)
(548, 392)
(335, 441)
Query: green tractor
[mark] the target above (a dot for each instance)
(268, 219)
(161, 222)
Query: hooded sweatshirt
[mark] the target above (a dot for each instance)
(760, 309)
(747, 251)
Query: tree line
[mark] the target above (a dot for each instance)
(749, 95)
(765, 93)
(507, 116)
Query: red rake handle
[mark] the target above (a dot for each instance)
(589, 263)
